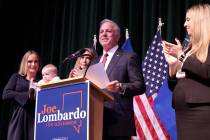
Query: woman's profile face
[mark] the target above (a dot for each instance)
(85, 59)
(188, 24)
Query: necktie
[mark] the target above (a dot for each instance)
(105, 58)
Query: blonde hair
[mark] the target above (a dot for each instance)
(23, 65)
(200, 37)
(51, 68)
(91, 53)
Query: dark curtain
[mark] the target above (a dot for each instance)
(56, 28)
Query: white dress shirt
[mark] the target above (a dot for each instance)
(110, 55)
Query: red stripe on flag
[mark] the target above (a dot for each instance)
(159, 122)
(139, 129)
(148, 125)
(146, 117)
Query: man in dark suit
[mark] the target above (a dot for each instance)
(124, 72)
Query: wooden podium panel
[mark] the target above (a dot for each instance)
(95, 100)
(96, 115)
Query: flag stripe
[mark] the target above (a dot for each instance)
(147, 124)
(142, 128)
(138, 129)
(166, 135)
(164, 132)
(145, 111)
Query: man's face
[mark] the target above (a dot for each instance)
(108, 36)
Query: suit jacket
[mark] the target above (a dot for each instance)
(118, 114)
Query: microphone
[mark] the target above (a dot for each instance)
(74, 55)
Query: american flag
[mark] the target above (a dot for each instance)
(154, 67)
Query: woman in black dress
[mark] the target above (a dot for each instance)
(21, 124)
(189, 76)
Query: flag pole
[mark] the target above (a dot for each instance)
(160, 24)
(126, 34)
(94, 41)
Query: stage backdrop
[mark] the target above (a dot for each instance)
(56, 28)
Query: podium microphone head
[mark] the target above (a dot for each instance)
(74, 55)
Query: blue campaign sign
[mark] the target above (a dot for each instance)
(62, 112)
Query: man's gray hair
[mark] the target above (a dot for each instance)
(116, 27)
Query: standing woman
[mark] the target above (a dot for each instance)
(21, 123)
(191, 88)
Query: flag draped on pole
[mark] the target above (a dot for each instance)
(127, 45)
(154, 68)
(94, 45)
(163, 108)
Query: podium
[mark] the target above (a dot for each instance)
(71, 109)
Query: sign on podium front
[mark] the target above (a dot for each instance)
(70, 110)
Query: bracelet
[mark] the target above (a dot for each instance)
(182, 56)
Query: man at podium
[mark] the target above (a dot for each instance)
(124, 72)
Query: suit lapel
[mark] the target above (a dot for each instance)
(113, 61)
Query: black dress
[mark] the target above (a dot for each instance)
(21, 124)
(191, 100)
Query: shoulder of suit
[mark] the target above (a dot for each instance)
(125, 52)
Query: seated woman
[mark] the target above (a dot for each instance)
(82, 63)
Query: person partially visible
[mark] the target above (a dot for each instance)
(49, 74)
(124, 71)
(189, 76)
(22, 98)
(82, 63)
